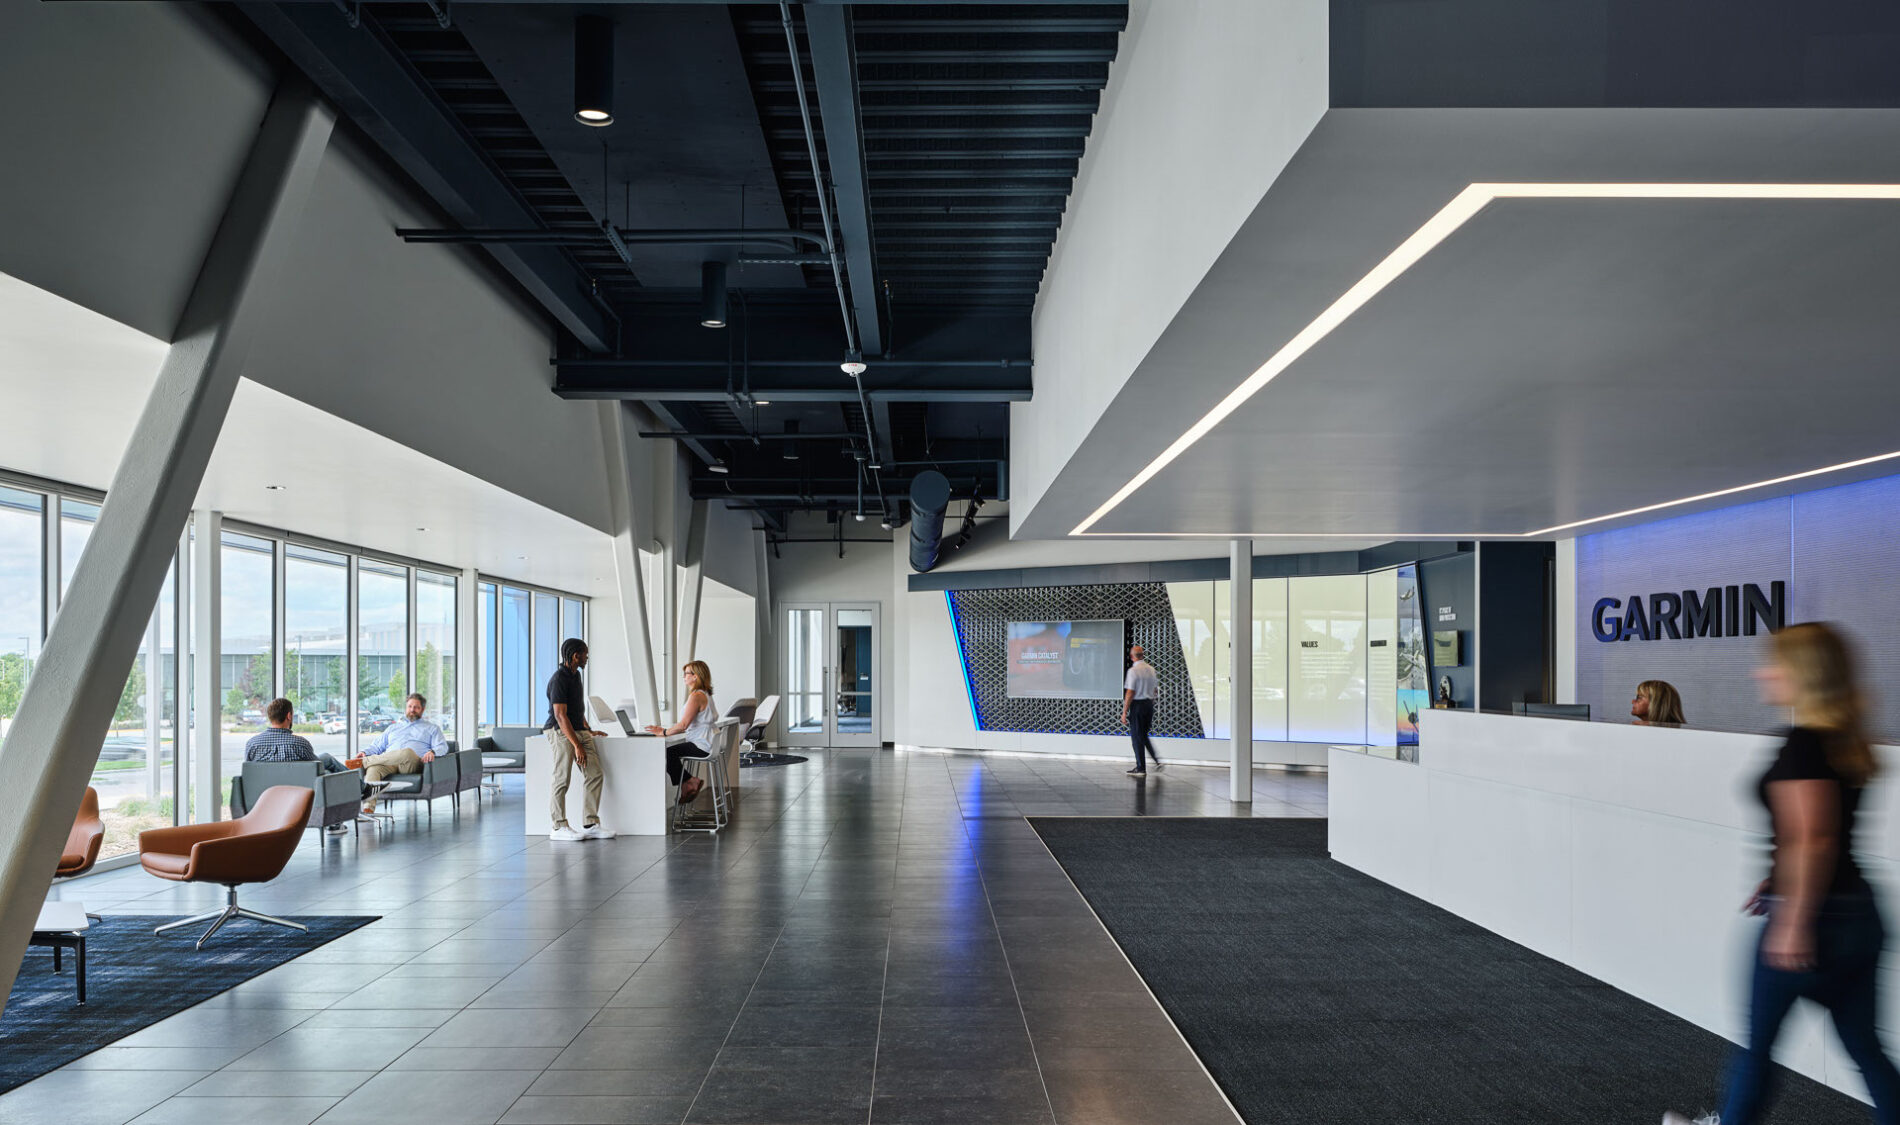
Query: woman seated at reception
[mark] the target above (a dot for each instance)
(691, 737)
(1657, 704)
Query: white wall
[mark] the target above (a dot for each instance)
(1206, 103)
(728, 643)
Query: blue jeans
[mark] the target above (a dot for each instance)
(1848, 938)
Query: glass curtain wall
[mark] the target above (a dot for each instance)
(490, 678)
(22, 594)
(382, 645)
(435, 646)
(520, 634)
(317, 646)
(247, 671)
(517, 693)
(547, 646)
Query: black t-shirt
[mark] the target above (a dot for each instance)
(564, 686)
(1803, 757)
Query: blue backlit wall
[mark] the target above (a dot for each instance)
(1837, 550)
(981, 619)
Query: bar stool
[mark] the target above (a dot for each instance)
(714, 779)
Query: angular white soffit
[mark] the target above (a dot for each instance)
(1439, 227)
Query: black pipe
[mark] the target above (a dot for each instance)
(929, 499)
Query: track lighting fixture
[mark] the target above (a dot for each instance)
(719, 467)
(593, 70)
(712, 294)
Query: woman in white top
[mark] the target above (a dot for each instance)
(691, 737)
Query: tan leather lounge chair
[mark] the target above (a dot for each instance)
(251, 849)
(82, 842)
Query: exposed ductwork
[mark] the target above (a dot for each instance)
(929, 500)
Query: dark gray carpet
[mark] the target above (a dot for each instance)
(134, 978)
(1316, 994)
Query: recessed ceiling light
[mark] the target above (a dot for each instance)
(761, 402)
(1453, 215)
(719, 467)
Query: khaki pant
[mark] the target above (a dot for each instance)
(376, 767)
(591, 777)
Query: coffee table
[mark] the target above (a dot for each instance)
(62, 926)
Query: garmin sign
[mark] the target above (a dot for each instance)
(1719, 611)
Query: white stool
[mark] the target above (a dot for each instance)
(714, 776)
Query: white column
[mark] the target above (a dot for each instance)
(207, 640)
(1240, 765)
(63, 716)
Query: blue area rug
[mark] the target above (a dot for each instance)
(134, 978)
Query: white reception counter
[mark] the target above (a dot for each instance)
(1623, 851)
(633, 797)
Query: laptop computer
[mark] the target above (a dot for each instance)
(626, 722)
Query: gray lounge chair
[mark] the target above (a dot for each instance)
(337, 796)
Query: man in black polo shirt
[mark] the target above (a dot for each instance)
(573, 744)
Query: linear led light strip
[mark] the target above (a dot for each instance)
(1439, 227)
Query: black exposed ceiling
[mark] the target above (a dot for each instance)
(959, 131)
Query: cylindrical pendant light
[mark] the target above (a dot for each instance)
(593, 70)
(712, 294)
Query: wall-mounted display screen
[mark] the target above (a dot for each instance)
(1065, 659)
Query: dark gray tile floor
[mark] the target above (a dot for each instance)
(878, 938)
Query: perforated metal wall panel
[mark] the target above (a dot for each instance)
(982, 620)
(1834, 547)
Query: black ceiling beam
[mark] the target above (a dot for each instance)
(364, 75)
(654, 384)
(835, 72)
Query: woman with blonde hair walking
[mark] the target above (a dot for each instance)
(1824, 934)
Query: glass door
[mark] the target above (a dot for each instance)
(830, 695)
(803, 700)
(854, 644)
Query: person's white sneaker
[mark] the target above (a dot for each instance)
(1674, 1118)
(596, 832)
(566, 834)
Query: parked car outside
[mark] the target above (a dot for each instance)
(335, 726)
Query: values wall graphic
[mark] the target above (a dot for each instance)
(1065, 659)
(1415, 692)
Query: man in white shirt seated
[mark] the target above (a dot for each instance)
(403, 747)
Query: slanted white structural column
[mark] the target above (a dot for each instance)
(693, 582)
(54, 742)
(1240, 764)
(617, 438)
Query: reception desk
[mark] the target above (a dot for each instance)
(633, 800)
(1623, 851)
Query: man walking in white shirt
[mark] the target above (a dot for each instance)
(1139, 691)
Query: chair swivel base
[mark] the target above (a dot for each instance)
(231, 910)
